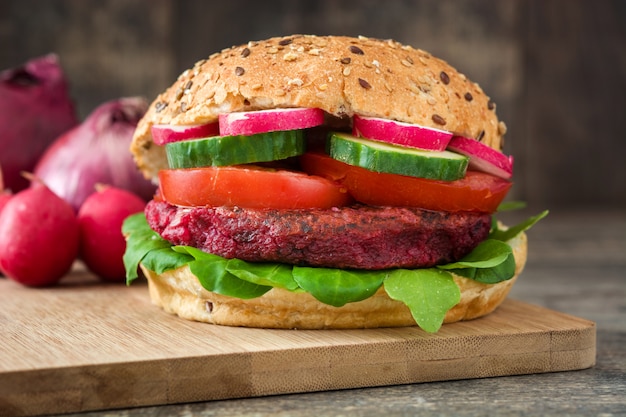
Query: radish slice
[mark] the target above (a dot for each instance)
(482, 157)
(162, 134)
(262, 121)
(400, 133)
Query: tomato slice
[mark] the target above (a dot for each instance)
(477, 191)
(249, 187)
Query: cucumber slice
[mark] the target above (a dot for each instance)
(235, 150)
(392, 159)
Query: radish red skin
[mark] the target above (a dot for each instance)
(163, 134)
(39, 237)
(482, 157)
(4, 199)
(261, 121)
(102, 243)
(402, 134)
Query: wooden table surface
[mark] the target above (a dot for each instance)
(577, 265)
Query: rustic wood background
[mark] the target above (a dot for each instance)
(556, 68)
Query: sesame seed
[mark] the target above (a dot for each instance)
(444, 78)
(272, 50)
(183, 106)
(245, 52)
(491, 105)
(323, 87)
(468, 96)
(438, 119)
(188, 86)
(409, 60)
(239, 71)
(285, 42)
(345, 60)
(290, 56)
(256, 86)
(314, 51)
(346, 71)
(356, 50)
(502, 128)
(405, 63)
(480, 136)
(179, 94)
(364, 84)
(431, 100)
(413, 88)
(159, 106)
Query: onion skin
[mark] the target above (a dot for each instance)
(35, 108)
(5, 195)
(97, 152)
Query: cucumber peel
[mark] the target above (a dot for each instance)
(392, 159)
(234, 150)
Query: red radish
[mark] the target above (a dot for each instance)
(4, 199)
(400, 133)
(39, 236)
(35, 108)
(253, 122)
(482, 157)
(100, 219)
(163, 134)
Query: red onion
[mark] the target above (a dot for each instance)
(97, 152)
(5, 195)
(35, 108)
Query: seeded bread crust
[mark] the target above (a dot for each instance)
(179, 292)
(341, 75)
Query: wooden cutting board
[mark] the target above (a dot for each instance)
(88, 346)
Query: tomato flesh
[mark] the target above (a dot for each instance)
(477, 191)
(249, 187)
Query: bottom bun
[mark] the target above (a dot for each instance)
(179, 292)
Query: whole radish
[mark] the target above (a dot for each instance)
(39, 236)
(4, 199)
(100, 218)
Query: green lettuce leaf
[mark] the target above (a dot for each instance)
(143, 245)
(498, 273)
(212, 273)
(268, 274)
(429, 294)
(487, 254)
(337, 287)
(511, 232)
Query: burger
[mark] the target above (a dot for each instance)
(323, 182)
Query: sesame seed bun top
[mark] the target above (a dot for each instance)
(341, 75)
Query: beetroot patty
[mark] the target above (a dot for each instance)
(359, 237)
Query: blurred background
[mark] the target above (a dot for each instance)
(556, 68)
